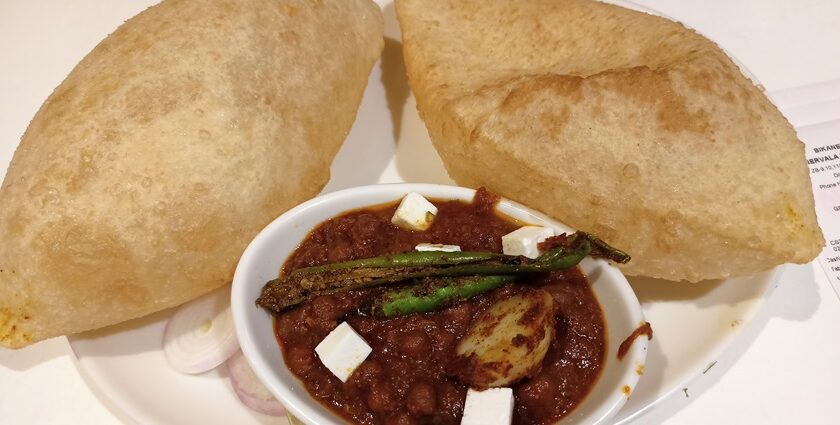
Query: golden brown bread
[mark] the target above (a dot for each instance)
(617, 122)
(145, 174)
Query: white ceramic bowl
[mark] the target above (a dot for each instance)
(265, 255)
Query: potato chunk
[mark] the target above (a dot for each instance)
(508, 341)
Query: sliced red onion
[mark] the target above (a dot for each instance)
(250, 390)
(201, 336)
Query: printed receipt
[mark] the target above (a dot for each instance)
(822, 143)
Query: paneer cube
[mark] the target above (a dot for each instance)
(524, 240)
(342, 351)
(437, 247)
(493, 406)
(414, 213)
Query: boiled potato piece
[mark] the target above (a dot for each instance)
(508, 341)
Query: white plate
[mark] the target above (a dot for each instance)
(128, 371)
(124, 365)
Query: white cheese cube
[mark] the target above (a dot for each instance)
(524, 240)
(342, 351)
(493, 406)
(414, 213)
(437, 247)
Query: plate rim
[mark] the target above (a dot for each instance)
(724, 344)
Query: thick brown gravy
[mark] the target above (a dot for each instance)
(643, 329)
(409, 378)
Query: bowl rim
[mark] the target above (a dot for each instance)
(296, 401)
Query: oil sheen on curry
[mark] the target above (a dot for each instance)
(440, 323)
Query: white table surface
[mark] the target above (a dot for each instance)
(783, 369)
